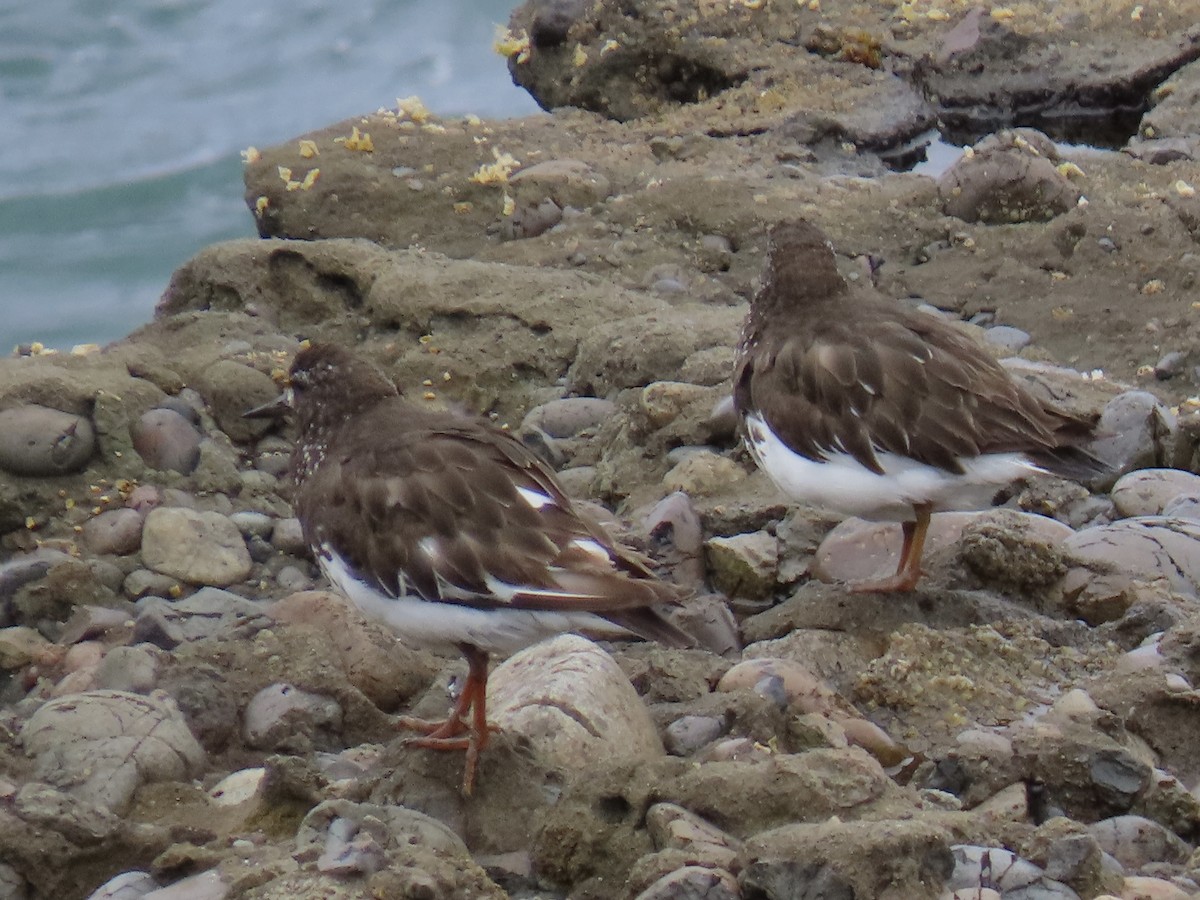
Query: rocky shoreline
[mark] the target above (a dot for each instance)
(186, 712)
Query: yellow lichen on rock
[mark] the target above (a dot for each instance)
(510, 43)
(308, 149)
(356, 140)
(498, 171)
(412, 108)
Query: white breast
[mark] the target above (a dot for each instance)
(840, 483)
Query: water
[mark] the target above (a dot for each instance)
(123, 121)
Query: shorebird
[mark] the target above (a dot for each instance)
(873, 409)
(452, 533)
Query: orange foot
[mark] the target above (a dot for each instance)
(466, 728)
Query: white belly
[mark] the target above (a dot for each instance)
(840, 483)
(432, 625)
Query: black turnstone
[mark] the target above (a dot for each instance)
(452, 533)
(872, 409)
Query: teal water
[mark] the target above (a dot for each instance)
(122, 124)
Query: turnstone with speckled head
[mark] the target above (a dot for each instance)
(452, 533)
(872, 409)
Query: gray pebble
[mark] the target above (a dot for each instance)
(36, 440)
(97, 742)
(992, 866)
(1007, 338)
(13, 886)
(570, 416)
(284, 718)
(144, 583)
(291, 578)
(288, 537)
(688, 734)
(132, 669)
(253, 524)
(197, 547)
(154, 625)
(126, 886)
(1184, 506)
(115, 531)
(91, 621)
(1137, 429)
(144, 498)
(260, 550)
(273, 454)
(166, 440)
(695, 883)
(1147, 492)
(1135, 841)
(231, 388)
(1147, 547)
(185, 406)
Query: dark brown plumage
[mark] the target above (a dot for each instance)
(452, 532)
(914, 415)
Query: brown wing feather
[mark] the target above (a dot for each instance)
(898, 380)
(455, 485)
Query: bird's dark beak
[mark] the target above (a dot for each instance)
(272, 409)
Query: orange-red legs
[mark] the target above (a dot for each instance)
(466, 728)
(909, 570)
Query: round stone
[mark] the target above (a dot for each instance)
(36, 440)
(165, 440)
(196, 547)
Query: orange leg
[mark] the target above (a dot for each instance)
(466, 728)
(908, 573)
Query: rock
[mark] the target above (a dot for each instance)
(845, 860)
(1008, 339)
(144, 583)
(20, 645)
(1146, 492)
(1183, 506)
(674, 527)
(1016, 550)
(703, 472)
(1135, 841)
(857, 550)
(1136, 431)
(693, 883)
(144, 498)
(74, 818)
(571, 701)
(688, 734)
(284, 719)
(201, 886)
(349, 839)
(253, 524)
(131, 669)
(388, 672)
(116, 531)
(166, 440)
(1147, 547)
(197, 547)
(978, 866)
(100, 746)
(133, 885)
(36, 441)
(744, 565)
(1141, 887)
(663, 401)
(672, 827)
(288, 537)
(231, 388)
(89, 621)
(1006, 179)
(568, 182)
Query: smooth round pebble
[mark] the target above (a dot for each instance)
(569, 416)
(1146, 547)
(1135, 841)
(36, 440)
(288, 537)
(688, 734)
(1007, 338)
(1147, 492)
(167, 441)
(197, 547)
(231, 388)
(253, 524)
(115, 531)
(144, 498)
(282, 717)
